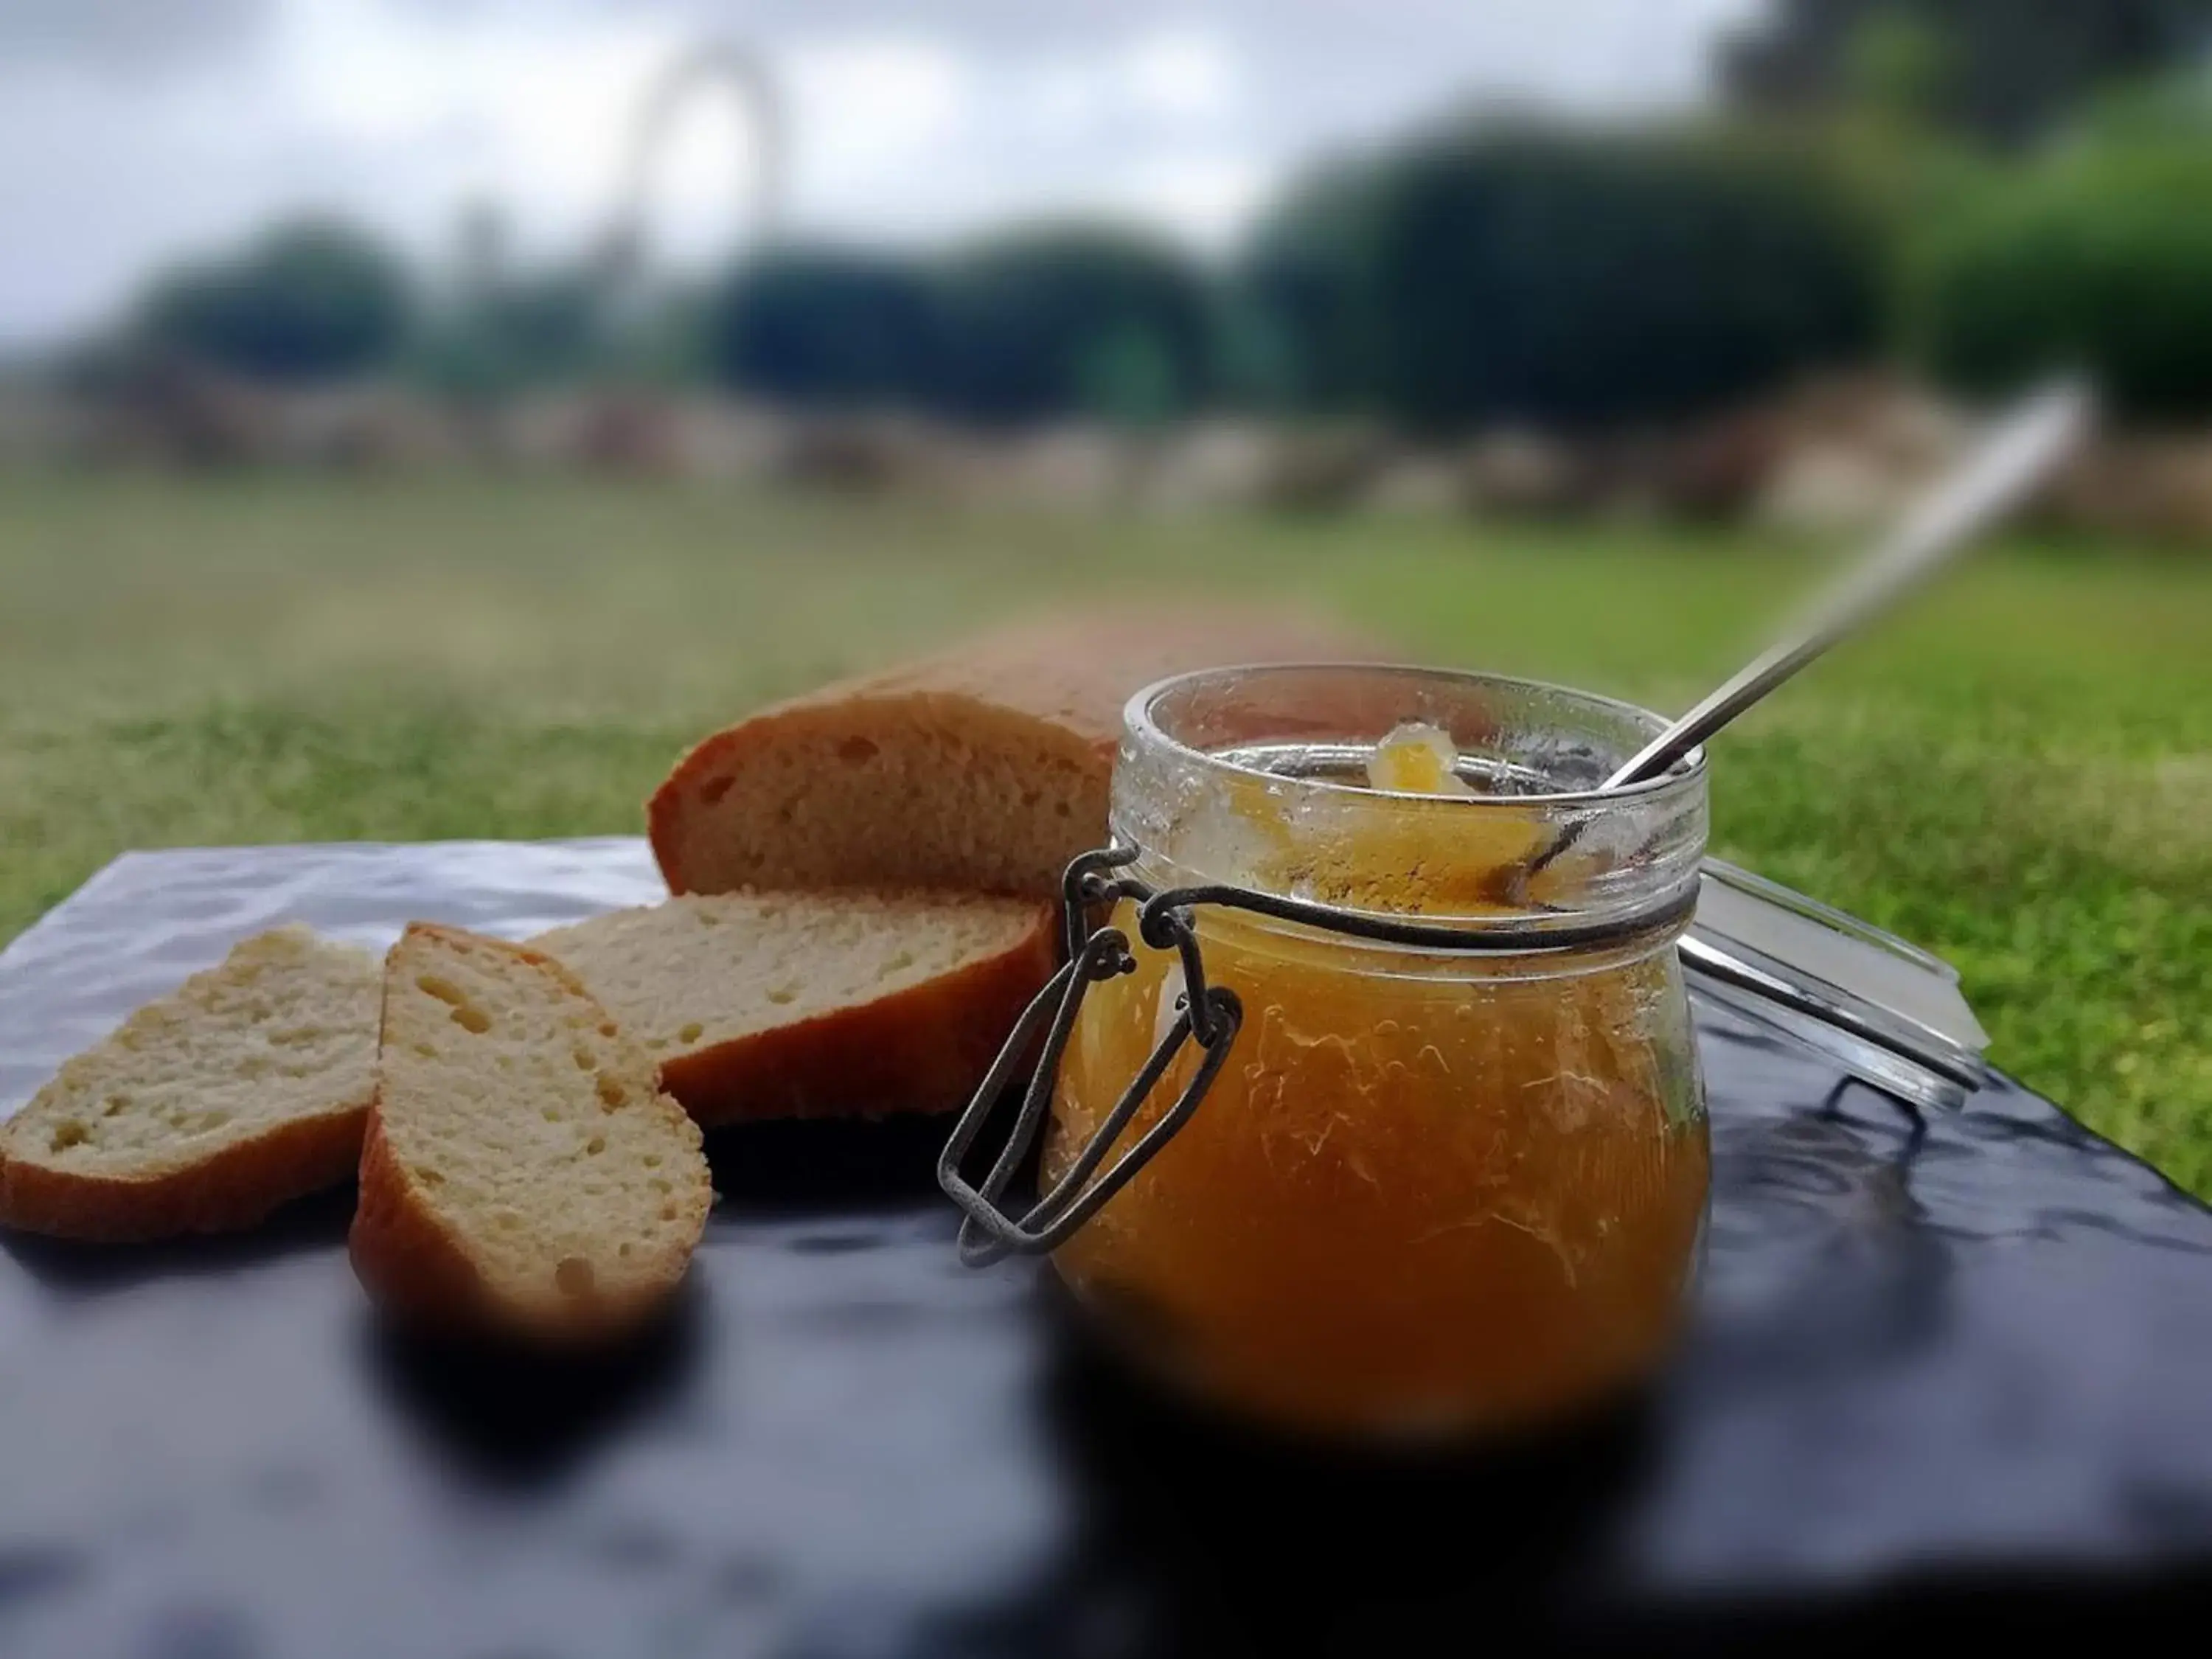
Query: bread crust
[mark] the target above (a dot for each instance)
(234, 1189)
(1048, 697)
(922, 1049)
(684, 807)
(422, 1272)
(403, 1258)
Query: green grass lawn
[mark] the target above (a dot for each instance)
(2017, 774)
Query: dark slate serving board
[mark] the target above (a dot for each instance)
(1957, 1370)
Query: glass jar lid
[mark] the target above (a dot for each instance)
(1259, 777)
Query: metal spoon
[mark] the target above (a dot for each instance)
(2004, 470)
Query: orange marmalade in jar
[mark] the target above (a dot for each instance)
(1447, 1187)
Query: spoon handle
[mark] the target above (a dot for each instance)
(2001, 474)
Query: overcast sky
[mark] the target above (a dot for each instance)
(131, 130)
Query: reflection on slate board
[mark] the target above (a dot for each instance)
(1958, 1369)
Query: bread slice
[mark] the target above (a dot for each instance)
(247, 1085)
(522, 1171)
(803, 1004)
(985, 769)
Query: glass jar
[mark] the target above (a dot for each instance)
(1442, 1190)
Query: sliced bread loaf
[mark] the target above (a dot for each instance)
(205, 1110)
(522, 1171)
(800, 1005)
(985, 769)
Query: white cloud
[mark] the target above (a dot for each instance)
(865, 112)
(1059, 100)
(1181, 72)
(1209, 198)
(476, 103)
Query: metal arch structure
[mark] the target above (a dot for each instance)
(746, 78)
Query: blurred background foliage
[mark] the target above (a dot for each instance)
(313, 299)
(2007, 72)
(2102, 256)
(1919, 178)
(1517, 274)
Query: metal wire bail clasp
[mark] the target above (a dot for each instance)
(1208, 1015)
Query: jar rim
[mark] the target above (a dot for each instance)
(1138, 721)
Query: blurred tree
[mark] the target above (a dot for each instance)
(1898, 66)
(2100, 258)
(1522, 275)
(2172, 109)
(312, 300)
(2004, 69)
(483, 251)
(498, 329)
(1128, 378)
(1051, 321)
(1301, 331)
(822, 326)
(503, 334)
